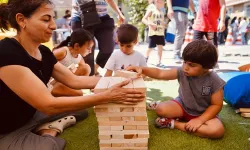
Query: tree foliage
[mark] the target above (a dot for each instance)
(3, 1)
(137, 9)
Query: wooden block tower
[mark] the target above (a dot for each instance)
(122, 126)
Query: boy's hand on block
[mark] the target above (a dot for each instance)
(126, 74)
(136, 69)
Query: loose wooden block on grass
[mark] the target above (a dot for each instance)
(244, 110)
(246, 115)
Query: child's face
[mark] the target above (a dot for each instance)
(86, 48)
(127, 48)
(193, 69)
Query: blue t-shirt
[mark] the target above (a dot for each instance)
(180, 6)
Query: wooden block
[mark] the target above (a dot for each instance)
(130, 136)
(124, 132)
(124, 141)
(116, 144)
(125, 74)
(117, 136)
(139, 83)
(130, 127)
(143, 135)
(245, 110)
(127, 109)
(105, 145)
(104, 128)
(115, 118)
(141, 118)
(245, 68)
(122, 148)
(116, 128)
(121, 114)
(247, 115)
(101, 109)
(128, 118)
(100, 119)
(140, 104)
(128, 145)
(141, 144)
(124, 122)
(143, 127)
(102, 85)
(114, 109)
(104, 137)
(139, 109)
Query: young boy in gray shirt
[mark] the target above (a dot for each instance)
(200, 93)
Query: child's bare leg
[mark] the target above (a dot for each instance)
(210, 129)
(148, 52)
(83, 70)
(160, 48)
(169, 109)
(61, 90)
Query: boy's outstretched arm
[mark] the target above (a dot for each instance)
(155, 72)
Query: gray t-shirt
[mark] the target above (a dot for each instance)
(195, 92)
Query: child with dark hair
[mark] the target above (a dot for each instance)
(127, 35)
(200, 93)
(69, 52)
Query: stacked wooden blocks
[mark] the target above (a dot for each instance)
(122, 126)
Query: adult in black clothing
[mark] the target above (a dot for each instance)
(31, 116)
(103, 32)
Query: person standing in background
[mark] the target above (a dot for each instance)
(206, 22)
(103, 32)
(178, 12)
(242, 30)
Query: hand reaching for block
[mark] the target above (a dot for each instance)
(117, 94)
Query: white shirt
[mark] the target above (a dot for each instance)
(118, 60)
(242, 26)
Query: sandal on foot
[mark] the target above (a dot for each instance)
(58, 125)
(152, 105)
(164, 123)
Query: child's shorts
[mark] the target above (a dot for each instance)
(186, 116)
(156, 40)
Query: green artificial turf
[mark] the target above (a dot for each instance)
(83, 136)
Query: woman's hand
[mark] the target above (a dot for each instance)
(117, 94)
(121, 18)
(135, 69)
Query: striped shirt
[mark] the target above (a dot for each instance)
(101, 7)
(180, 6)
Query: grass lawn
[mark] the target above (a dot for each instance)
(83, 136)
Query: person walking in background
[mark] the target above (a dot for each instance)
(103, 32)
(234, 27)
(222, 36)
(242, 30)
(154, 19)
(178, 12)
(206, 22)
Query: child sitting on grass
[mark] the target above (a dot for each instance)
(200, 93)
(127, 35)
(69, 52)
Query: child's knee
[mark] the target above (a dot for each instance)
(85, 70)
(161, 109)
(217, 132)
